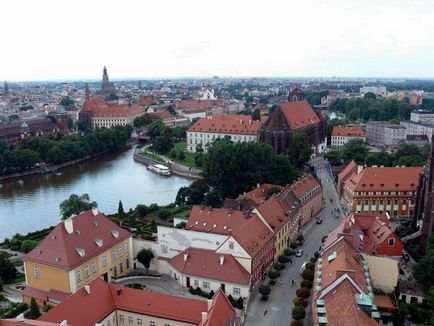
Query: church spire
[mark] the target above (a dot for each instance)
(6, 88)
(86, 92)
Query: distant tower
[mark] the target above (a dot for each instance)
(106, 86)
(86, 92)
(105, 78)
(6, 88)
(296, 95)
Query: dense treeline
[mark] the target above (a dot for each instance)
(357, 150)
(371, 109)
(60, 148)
(233, 168)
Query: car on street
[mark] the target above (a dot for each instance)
(406, 256)
(303, 267)
(299, 253)
(319, 221)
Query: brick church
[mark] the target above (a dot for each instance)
(294, 116)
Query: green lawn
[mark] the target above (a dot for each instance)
(153, 156)
(189, 157)
(19, 279)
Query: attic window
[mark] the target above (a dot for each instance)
(57, 258)
(204, 223)
(95, 223)
(371, 185)
(80, 251)
(39, 251)
(363, 185)
(215, 225)
(196, 223)
(99, 242)
(77, 232)
(332, 256)
(396, 184)
(382, 184)
(53, 237)
(115, 234)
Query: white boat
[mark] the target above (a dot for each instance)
(160, 169)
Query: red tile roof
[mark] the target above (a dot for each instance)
(231, 124)
(386, 179)
(347, 171)
(44, 295)
(100, 108)
(26, 322)
(274, 213)
(299, 114)
(59, 248)
(104, 298)
(348, 131)
(162, 115)
(221, 312)
(147, 101)
(198, 104)
(206, 263)
(257, 194)
(305, 184)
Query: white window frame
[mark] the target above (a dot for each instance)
(37, 271)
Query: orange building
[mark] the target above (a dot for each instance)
(382, 189)
(77, 251)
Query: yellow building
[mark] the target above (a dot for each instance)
(77, 251)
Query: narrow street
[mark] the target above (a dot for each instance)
(277, 310)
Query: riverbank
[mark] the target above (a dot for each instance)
(49, 168)
(176, 168)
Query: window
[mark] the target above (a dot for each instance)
(237, 290)
(104, 261)
(127, 247)
(205, 285)
(37, 272)
(127, 263)
(391, 242)
(152, 323)
(93, 267)
(86, 272)
(121, 267)
(121, 318)
(139, 321)
(196, 283)
(113, 254)
(78, 276)
(120, 251)
(114, 319)
(130, 320)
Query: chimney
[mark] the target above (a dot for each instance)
(258, 185)
(118, 291)
(359, 168)
(87, 289)
(185, 256)
(204, 317)
(209, 304)
(69, 226)
(221, 260)
(94, 211)
(20, 317)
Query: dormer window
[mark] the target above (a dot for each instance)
(80, 251)
(99, 242)
(115, 234)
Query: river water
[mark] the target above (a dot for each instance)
(32, 203)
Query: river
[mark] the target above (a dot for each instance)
(32, 203)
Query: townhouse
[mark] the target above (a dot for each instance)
(77, 251)
(309, 193)
(341, 135)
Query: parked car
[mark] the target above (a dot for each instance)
(406, 256)
(303, 267)
(299, 253)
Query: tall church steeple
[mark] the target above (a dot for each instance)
(6, 92)
(105, 78)
(296, 95)
(86, 92)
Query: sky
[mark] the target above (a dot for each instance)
(61, 40)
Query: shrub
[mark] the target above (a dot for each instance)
(308, 274)
(34, 310)
(303, 293)
(324, 238)
(306, 284)
(273, 274)
(294, 245)
(198, 291)
(272, 282)
(300, 238)
(264, 290)
(316, 254)
(181, 155)
(298, 301)
(15, 311)
(173, 154)
(288, 252)
(283, 259)
(296, 323)
(278, 266)
(164, 214)
(313, 260)
(230, 298)
(211, 294)
(298, 313)
(28, 245)
(310, 266)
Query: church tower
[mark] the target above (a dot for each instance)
(86, 92)
(296, 95)
(105, 78)
(6, 88)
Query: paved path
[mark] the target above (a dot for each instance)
(279, 304)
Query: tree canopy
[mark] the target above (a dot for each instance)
(423, 270)
(145, 256)
(76, 204)
(299, 153)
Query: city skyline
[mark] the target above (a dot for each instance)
(152, 40)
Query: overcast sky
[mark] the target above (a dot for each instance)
(42, 40)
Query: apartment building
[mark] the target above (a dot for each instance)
(77, 251)
(341, 135)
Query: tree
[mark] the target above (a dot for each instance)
(271, 191)
(199, 159)
(145, 256)
(283, 259)
(306, 284)
(164, 214)
(213, 198)
(370, 95)
(303, 293)
(264, 290)
(256, 115)
(356, 150)
(308, 274)
(171, 109)
(298, 313)
(141, 210)
(112, 97)
(121, 211)
(7, 269)
(300, 150)
(173, 154)
(273, 274)
(28, 245)
(34, 310)
(76, 204)
(181, 155)
(423, 269)
(66, 101)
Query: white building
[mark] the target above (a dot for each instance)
(421, 116)
(342, 135)
(418, 128)
(237, 127)
(377, 90)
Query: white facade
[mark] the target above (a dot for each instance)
(377, 90)
(340, 141)
(418, 128)
(416, 116)
(193, 115)
(206, 139)
(110, 121)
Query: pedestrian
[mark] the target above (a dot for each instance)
(265, 312)
(293, 282)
